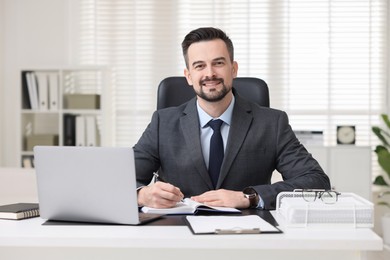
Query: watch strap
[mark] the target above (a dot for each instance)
(253, 197)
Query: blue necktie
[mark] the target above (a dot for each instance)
(216, 151)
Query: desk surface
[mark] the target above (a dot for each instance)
(29, 239)
(31, 232)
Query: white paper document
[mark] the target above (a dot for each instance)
(250, 224)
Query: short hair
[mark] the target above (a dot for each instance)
(206, 34)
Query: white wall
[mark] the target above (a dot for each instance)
(35, 35)
(2, 94)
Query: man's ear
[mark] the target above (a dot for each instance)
(188, 77)
(235, 69)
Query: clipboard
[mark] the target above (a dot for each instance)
(230, 225)
(237, 231)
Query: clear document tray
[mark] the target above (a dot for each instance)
(350, 210)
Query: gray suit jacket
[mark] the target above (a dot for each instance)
(260, 140)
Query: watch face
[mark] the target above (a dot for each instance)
(346, 134)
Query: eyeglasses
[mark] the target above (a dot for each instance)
(326, 196)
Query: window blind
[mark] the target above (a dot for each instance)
(324, 60)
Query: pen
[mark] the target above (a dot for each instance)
(158, 178)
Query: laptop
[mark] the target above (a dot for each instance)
(88, 184)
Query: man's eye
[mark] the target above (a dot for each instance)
(200, 66)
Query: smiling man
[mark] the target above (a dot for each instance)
(211, 74)
(218, 148)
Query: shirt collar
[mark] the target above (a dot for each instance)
(226, 117)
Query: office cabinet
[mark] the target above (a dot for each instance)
(348, 167)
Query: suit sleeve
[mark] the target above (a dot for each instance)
(146, 153)
(297, 167)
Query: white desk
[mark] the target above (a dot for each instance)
(28, 239)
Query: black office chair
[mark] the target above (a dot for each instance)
(174, 91)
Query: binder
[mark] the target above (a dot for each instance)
(80, 131)
(43, 92)
(69, 130)
(53, 91)
(90, 131)
(32, 90)
(26, 103)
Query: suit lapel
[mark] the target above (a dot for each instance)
(190, 126)
(241, 122)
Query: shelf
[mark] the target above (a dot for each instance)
(45, 116)
(82, 111)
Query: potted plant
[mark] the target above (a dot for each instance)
(383, 180)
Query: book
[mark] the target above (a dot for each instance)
(19, 211)
(250, 224)
(189, 206)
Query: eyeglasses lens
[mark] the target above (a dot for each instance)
(309, 195)
(329, 197)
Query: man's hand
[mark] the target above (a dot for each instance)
(223, 198)
(159, 195)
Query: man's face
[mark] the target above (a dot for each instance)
(210, 70)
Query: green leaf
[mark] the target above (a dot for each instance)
(379, 180)
(380, 133)
(380, 148)
(382, 151)
(386, 120)
(383, 159)
(376, 130)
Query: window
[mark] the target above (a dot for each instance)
(324, 61)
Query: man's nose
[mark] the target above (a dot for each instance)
(210, 72)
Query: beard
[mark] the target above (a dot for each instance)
(214, 95)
